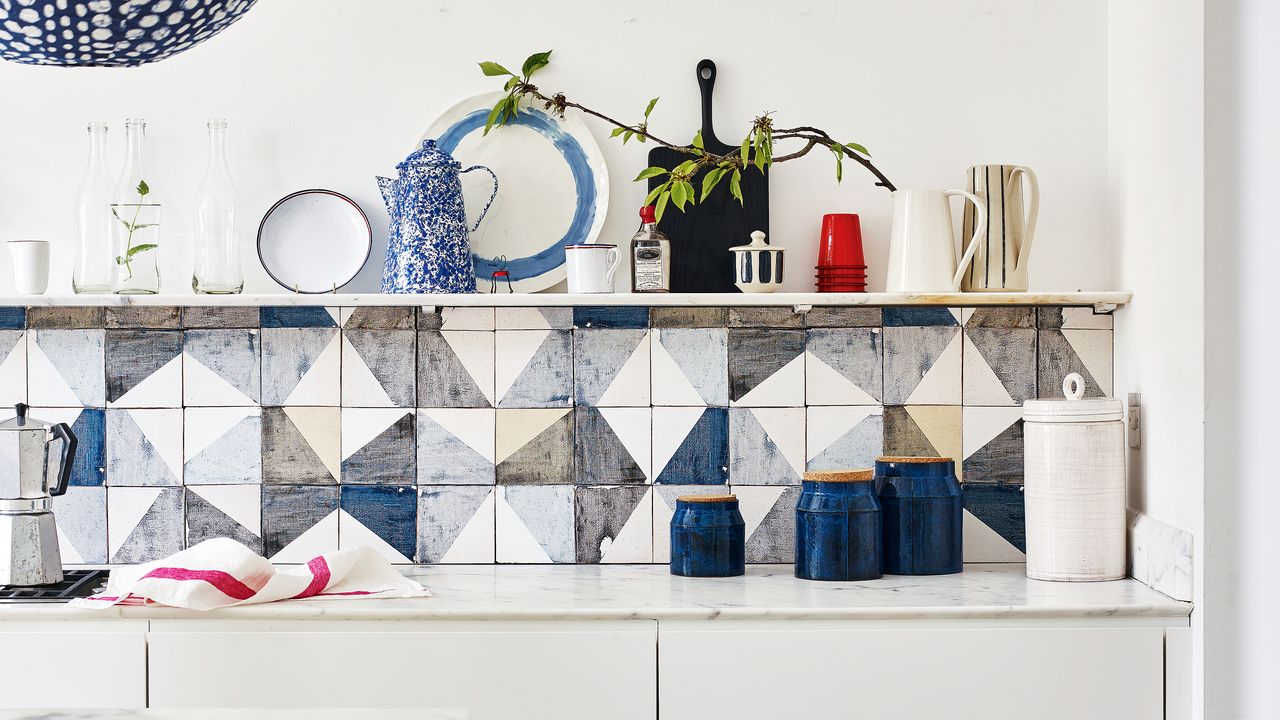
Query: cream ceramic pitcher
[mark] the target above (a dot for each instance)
(1000, 264)
(922, 253)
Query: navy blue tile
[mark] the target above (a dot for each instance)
(13, 318)
(916, 316)
(390, 511)
(702, 457)
(611, 317)
(1000, 508)
(296, 317)
(91, 461)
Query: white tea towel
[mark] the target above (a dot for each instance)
(221, 572)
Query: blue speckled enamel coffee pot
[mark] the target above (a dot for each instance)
(923, 516)
(708, 537)
(838, 532)
(428, 245)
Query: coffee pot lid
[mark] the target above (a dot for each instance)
(429, 155)
(1074, 408)
(22, 421)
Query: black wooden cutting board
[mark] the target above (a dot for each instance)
(702, 235)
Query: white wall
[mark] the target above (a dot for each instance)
(1156, 106)
(1242, 114)
(328, 93)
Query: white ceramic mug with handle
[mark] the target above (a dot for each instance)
(30, 266)
(590, 268)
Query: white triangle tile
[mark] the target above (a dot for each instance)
(824, 385)
(634, 428)
(13, 374)
(204, 387)
(670, 427)
(982, 544)
(475, 543)
(514, 350)
(1094, 349)
(242, 503)
(631, 385)
(520, 319)
(473, 426)
(70, 555)
(515, 542)
(466, 318)
(360, 388)
(475, 351)
(162, 388)
(941, 383)
(125, 509)
(957, 313)
(784, 388)
(518, 427)
(634, 543)
(316, 540)
(361, 425)
(755, 502)
(981, 385)
(827, 424)
(786, 428)
(336, 314)
(983, 424)
(352, 533)
(670, 385)
(320, 384)
(321, 428)
(344, 314)
(163, 429)
(52, 389)
(204, 426)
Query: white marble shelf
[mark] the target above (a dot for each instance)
(1104, 301)
(628, 592)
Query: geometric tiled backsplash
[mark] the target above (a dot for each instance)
(520, 435)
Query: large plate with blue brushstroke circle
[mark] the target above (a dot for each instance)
(553, 188)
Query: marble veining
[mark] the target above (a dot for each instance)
(1161, 556)
(236, 714)
(766, 592)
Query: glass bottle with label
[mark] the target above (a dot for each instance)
(94, 259)
(217, 267)
(650, 256)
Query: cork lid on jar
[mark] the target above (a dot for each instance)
(838, 476)
(912, 460)
(707, 498)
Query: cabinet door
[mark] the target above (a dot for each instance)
(748, 672)
(73, 665)
(493, 670)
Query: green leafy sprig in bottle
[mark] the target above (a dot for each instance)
(133, 226)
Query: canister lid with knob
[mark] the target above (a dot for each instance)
(1074, 408)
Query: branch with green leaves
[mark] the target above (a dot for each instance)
(676, 185)
(133, 226)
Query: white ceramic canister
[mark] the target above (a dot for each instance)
(1075, 486)
(757, 268)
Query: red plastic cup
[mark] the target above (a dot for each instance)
(841, 240)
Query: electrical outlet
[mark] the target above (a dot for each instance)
(1135, 420)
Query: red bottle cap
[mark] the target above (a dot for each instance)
(647, 214)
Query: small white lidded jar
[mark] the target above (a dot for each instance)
(1075, 486)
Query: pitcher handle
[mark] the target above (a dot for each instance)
(492, 195)
(979, 227)
(67, 456)
(1033, 210)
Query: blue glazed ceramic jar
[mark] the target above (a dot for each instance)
(838, 534)
(920, 499)
(708, 537)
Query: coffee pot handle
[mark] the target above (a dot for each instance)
(1015, 176)
(63, 432)
(492, 195)
(979, 228)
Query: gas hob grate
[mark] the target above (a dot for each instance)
(75, 584)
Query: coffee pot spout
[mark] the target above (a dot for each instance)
(387, 186)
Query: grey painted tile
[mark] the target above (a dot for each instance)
(607, 443)
(611, 367)
(456, 318)
(65, 368)
(544, 513)
(772, 455)
(133, 356)
(221, 317)
(378, 318)
(455, 524)
(539, 318)
(826, 316)
(1000, 317)
(377, 366)
(545, 379)
(158, 531)
(844, 366)
(301, 445)
(144, 447)
(290, 355)
(688, 317)
(455, 446)
(840, 438)
(455, 369)
(773, 539)
(756, 355)
(690, 366)
(999, 365)
(143, 316)
(288, 511)
(66, 318)
(535, 447)
(1088, 352)
(773, 317)
(1077, 318)
(222, 446)
(234, 356)
(613, 524)
(916, 356)
(206, 519)
(389, 457)
(82, 519)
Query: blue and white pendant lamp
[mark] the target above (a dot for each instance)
(109, 33)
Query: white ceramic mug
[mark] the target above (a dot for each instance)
(30, 266)
(590, 268)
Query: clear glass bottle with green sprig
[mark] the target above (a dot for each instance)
(135, 222)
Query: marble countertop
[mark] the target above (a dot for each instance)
(622, 592)
(237, 714)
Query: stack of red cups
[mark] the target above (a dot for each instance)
(841, 265)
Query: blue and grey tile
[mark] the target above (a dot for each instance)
(612, 446)
(81, 515)
(766, 446)
(456, 523)
(535, 524)
(378, 446)
(843, 437)
(144, 523)
(690, 366)
(534, 368)
(222, 367)
(144, 446)
(300, 317)
(222, 446)
(690, 445)
(922, 364)
(65, 368)
(301, 366)
(610, 316)
(611, 367)
(456, 446)
(384, 517)
(844, 366)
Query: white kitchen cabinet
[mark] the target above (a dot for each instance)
(750, 671)
(73, 664)
(495, 670)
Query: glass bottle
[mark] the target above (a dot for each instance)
(135, 222)
(650, 256)
(217, 269)
(94, 259)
